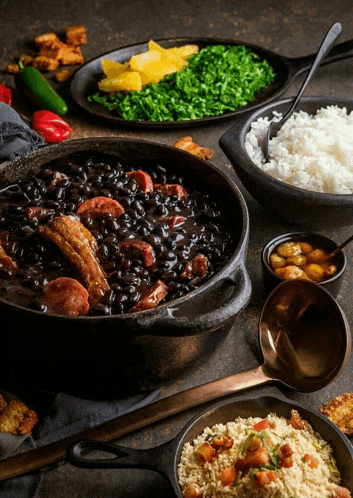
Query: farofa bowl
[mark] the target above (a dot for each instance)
(166, 458)
(294, 204)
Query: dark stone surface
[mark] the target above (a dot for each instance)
(289, 28)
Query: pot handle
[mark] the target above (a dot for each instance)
(204, 312)
(152, 459)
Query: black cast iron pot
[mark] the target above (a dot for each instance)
(141, 350)
(166, 457)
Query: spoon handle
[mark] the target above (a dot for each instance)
(159, 410)
(338, 249)
(326, 44)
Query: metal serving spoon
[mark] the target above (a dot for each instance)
(328, 41)
(305, 339)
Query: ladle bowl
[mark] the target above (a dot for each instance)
(305, 339)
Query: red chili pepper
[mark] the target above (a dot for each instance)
(50, 126)
(5, 95)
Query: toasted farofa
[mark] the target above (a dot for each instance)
(298, 481)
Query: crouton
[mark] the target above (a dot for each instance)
(71, 56)
(42, 40)
(26, 59)
(62, 75)
(52, 50)
(45, 63)
(75, 35)
(16, 418)
(187, 144)
(12, 415)
(28, 422)
(3, 402)
(12, 68)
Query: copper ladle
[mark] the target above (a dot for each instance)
(305, 340)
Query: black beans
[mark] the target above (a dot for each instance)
(169, 245)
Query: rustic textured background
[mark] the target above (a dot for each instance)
(290, 28)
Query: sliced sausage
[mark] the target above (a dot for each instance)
(40, 213)
(66, 296)
(143, 180)
(197, 267)
(99, 206)
(152, 298)
(139, 248)
(173, 221)
(172, 189)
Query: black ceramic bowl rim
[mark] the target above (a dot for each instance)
(54, 151)
(264, 402)
(271, 244)
(240, 155)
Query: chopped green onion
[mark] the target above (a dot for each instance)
(218, 79)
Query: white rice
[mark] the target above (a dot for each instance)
(310, 152)
(298, 481)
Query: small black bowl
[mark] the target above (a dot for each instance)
(314, 210)
(271, 279)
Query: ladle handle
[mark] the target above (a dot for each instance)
(159, 410)
(328, 41)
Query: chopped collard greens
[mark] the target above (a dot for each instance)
(218, 79)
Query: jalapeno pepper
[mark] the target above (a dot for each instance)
(50, 126)
(31, 82)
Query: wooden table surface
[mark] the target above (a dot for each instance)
(290, 28)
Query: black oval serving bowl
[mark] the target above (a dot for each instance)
(297, 205)
(165, 458)
(141, 350)
(271, 279)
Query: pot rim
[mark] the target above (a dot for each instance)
(236, 260)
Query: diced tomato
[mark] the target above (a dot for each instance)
(264, 477)
(206, 452)
(286, 450)
(99, 206)
(227, 476)
(193, 491)
(257, 458)
(285, 462)
(341, 492)
(240, 465)
(143, 180)
(222, 442)
(254, 445)
(311, 461)
(296, 421)
(262, 425)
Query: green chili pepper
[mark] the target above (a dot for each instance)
(30, 81)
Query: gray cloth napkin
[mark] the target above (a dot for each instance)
(68, 415)
(16, 137)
